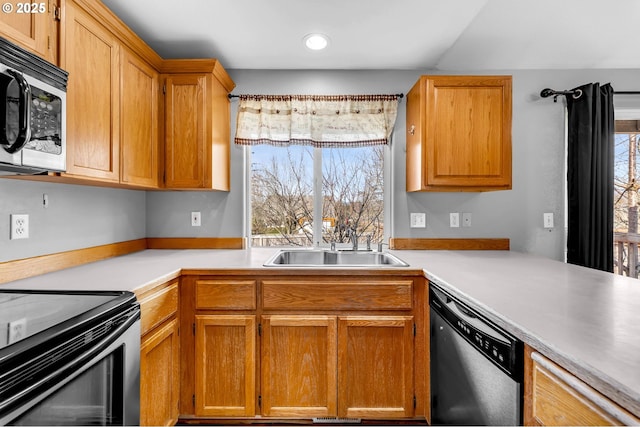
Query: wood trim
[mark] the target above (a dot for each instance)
(125, 35)
(35, 266)
(497, 244)
(189, 66)
(29, 267)
(195, 243)
(529, 418)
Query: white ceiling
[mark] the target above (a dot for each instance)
(392, 34)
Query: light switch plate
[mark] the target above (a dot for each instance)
(547, 219)
(418, 220)
(196, 219)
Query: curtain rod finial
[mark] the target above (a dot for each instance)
(546, 92)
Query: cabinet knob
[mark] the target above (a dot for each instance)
(412, 130)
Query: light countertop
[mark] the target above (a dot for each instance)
(586, 320)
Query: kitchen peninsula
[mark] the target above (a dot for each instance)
(583, 320)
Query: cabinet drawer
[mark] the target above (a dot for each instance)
(226, 295)
(158, 306)
(559, 398)
(334, 295)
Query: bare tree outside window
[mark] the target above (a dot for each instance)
(352, 187)
(282, 195)
(626, 186)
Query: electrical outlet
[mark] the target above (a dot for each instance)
(17, 330)
(19, 226)
(196, 220)
(454, 219)
(418, 220)
(547, 219)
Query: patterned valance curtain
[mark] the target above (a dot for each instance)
(316, 120)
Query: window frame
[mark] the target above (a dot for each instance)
(317, 189)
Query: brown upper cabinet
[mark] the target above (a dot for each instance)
(32, 25)
(196, 124)
(123, 100)
(112, 100)
(91, 55)
(139, 111)
(459, 134)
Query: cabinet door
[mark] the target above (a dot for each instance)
(92, 57)
(460, 127)
(31, 25)
(139, 122)
(299, 366)
(225, 365)
(375, 366)
(188, 153)
(160, 376)
(554, 397)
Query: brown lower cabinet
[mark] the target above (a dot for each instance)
(159, 355)
(555, 397)
(299, 366)
(159, 383)
(345, 366)
(299, 347)
(225, 365)
(375, 366)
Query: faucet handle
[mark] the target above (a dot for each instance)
(380, 243)
(368, 242)
(333, 245)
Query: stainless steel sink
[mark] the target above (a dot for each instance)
(327, 258)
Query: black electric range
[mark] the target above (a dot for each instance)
(48, 339)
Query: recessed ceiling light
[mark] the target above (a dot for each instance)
(316, 41)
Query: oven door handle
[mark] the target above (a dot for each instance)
(24, 117)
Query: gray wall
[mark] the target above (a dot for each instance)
(77, 217)
(86, 216)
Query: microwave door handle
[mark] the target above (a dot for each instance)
(24, 134)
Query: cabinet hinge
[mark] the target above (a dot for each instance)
(164, 89)
(178, 331)
(415, 330)
(193, 400)
(415, 402)
(57, 13)
(259, 329)
(194, 329)
(259, 401)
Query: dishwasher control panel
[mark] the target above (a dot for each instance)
(493, 343)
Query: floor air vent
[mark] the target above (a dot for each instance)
(334, 420)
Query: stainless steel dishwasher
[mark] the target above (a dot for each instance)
(476, 367)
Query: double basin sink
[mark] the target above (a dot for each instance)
(328, 258)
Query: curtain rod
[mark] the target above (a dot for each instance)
(399, 95)
(545, 93)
